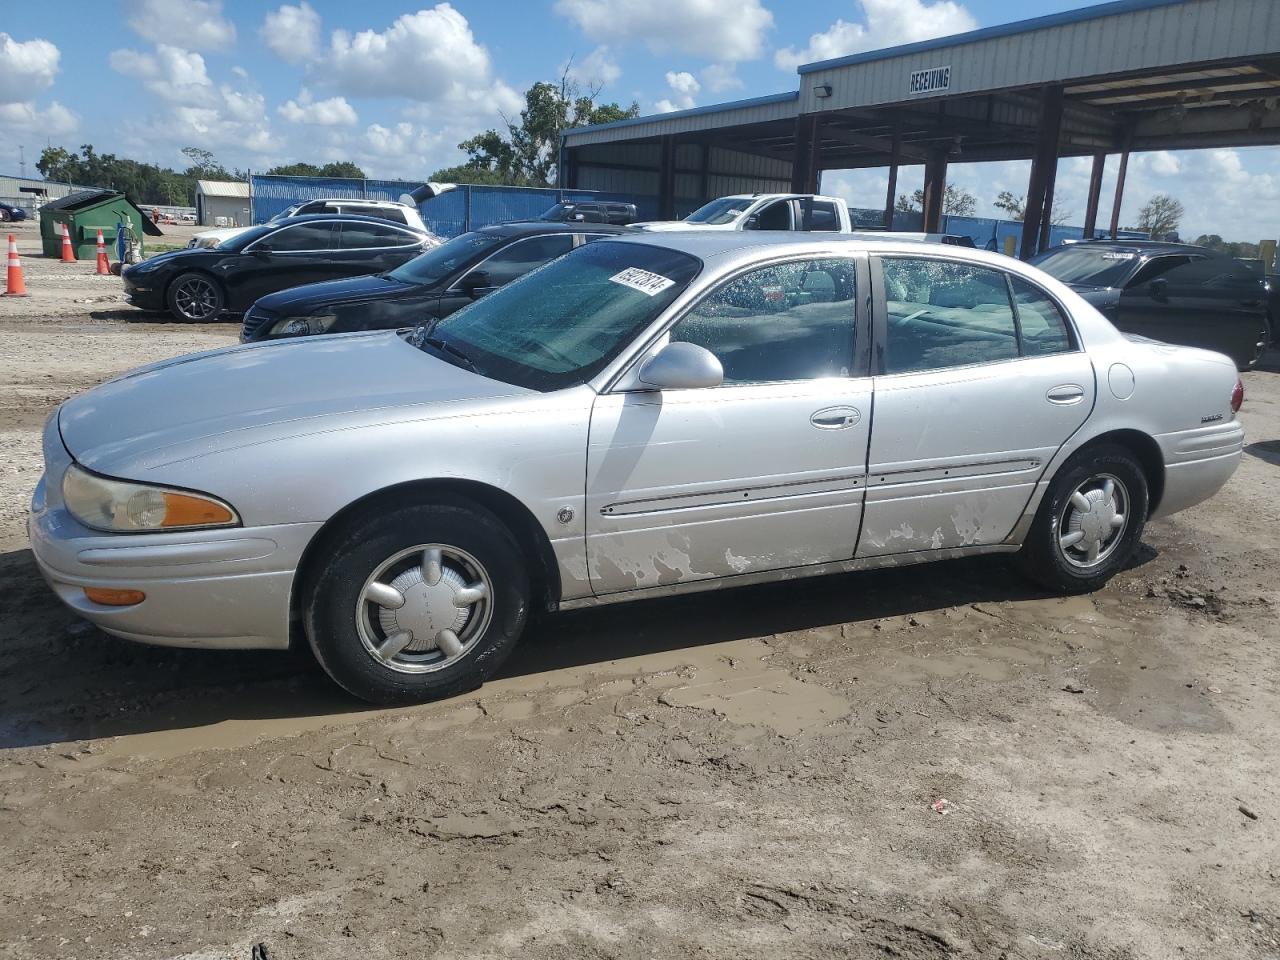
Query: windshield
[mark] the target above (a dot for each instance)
(1088, 267)
(285, 213)
(563, 323)
(724, 210)
(245, 237)
(558, 212)
(446, 259)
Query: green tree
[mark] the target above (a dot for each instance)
(1016, 208)
(1160, 216)
(344, 168)
(956, 201)
(526, 154)
(468, 174)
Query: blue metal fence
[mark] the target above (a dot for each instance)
(452, 213)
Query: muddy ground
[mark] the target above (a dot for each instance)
(743, 774)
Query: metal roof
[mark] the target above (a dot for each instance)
(223, 188)
(753, 110)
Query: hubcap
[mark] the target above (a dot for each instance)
(1093, 521)
(196, 299)
(424, 608)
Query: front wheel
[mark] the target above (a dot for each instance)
(417, 603)
(195, 298)
(1089, 523)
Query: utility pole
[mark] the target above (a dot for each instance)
(22, 161)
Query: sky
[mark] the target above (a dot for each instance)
(396, 86)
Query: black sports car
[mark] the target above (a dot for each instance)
(434, 285)
(1173, 292)
(198, 284)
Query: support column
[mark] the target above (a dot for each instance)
(935, 189)
(1046, 219)
(890, 198)
(1095, 192)
(806, 159)
(566, 176)
(1120, 175)
(1044, 164)
(667, 179)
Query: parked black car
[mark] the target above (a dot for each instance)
(591, 211)
(198, 284)
(1169, 291)
(435, 284)
(11, 211)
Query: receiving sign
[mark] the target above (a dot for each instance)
(933, 80)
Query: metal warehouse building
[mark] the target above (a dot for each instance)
(1109, 79)
(225, 199)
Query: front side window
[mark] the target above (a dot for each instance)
(941, 314)
(525, 255)
(775, 216)
(788, 322)
(302, 237)
(1156, 267)
(563, 324)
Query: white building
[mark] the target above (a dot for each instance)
(222, 203)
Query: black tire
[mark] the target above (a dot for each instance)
(195, 297)
(1064, 569)
(344, 627)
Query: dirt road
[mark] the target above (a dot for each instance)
(745, 774)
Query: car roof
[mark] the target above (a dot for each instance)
(516, 227)
(343, 217)
(1141, 246)
(714, 243)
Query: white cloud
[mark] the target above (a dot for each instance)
(1164, 162)
(293, 32)
(684, 86)
(53, 121)
(171, 73)
(326, 113)
(425, 56)
(199, 24)
(26, 68)
(720, 77)
(889, 22)
(724, 31)
(597, 68)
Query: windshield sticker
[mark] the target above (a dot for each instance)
(1118, 256)
(772, 291)
(647, 283)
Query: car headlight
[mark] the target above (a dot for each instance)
(118, 506)
(304, 326)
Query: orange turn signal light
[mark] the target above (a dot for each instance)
(114, 598)
(181, 510)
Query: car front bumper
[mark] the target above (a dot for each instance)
(142, 295)
(221, 589)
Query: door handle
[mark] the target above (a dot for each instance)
(1065, 393)
(835, 418)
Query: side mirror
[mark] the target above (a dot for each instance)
(1159, 289)
(476, 284)
(682, 366)
(752, 222)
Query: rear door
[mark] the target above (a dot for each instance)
(366, 247)
(980, 380)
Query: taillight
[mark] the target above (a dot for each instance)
(1237, 396)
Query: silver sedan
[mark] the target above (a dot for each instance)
(643, 416)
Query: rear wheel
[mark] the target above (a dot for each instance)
(195, 298)
(417, 603)
(4, 215)
(1089, 523)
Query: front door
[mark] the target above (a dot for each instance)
(763, 472)
(981, 381)
(296, 255)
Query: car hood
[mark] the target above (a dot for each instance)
(225, 399)
(299, 300)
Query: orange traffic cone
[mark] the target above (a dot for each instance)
(68, 254)
(104, 266)
(15, 285)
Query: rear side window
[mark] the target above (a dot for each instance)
(302, 237)
(525, 255)
(945, 315)
(363, 236)
(821, 215)
(1044, 329)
